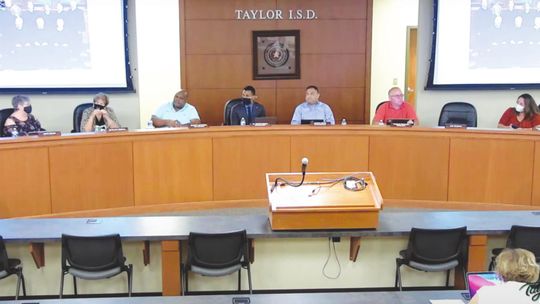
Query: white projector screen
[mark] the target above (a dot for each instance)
(485, 44)
(63, 45)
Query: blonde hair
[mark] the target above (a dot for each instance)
(517, 265)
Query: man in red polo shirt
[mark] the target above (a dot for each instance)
(395, 108)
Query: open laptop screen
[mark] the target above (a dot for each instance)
(477, 280)
(310, 121)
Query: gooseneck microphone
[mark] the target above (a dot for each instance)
(305, 162)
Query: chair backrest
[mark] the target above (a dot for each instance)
(227, 110)
(219, 250)
(4, 114)
(433, 246)
(77, 115)
(379, 105)
(4, 262)
(525, 237)
(92, 253)
(458, 113)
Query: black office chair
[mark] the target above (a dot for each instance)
(11, 266)
(217, 254)
(77, 116)
(4, 114)
(379, 105)
(93, 258)
(524, 237)
(458, 113)
(227, 111)
(433, 250)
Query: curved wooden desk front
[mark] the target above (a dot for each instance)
(52, 175)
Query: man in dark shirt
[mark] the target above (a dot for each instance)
(248, 109)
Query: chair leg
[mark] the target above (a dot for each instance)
(396, 276)
(491, 264)
(23, 284)
(249, 280)
(130, 279)
(75, 285)
(183, 278)
(240, 279)
(398, 270)
(18, 285)
(61, 284)
(187, 281)
(464, 271)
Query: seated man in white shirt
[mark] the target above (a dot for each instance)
(176, 113)
(312, 109)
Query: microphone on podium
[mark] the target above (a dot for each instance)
(305, 162)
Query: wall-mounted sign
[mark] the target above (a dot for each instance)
(297, 14)
(276, 54)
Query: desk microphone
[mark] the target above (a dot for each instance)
(305, 162)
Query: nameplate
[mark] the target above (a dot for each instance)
(93, 221)
(318, 123)
(455, 126)
(114, 130)
(260, 124)
(46, 133)
(196, 126)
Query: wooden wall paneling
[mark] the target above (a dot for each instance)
(241, 164)
(332, 153)
(25, 182)
(335, 9)
(223, 9)
(223, 37)
(211, 103)
(536, 175)
(329, 70)
(172, 171)
(183, 42)
(498, 168)
(222, 72)
(342, 101)
(367, 81)
(408, 167)
(91, 176)
(329, 36)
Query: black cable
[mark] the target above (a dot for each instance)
(328, 259)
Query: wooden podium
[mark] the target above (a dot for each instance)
(321, 203)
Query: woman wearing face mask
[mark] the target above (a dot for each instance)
(525, 115)
(99, 115)
(21, 122)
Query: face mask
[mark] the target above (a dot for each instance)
(98, 106)
(28, 109)
(519, 108)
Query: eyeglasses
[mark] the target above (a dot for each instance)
(398, 95)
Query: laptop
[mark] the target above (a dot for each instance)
(400, 122)
(477, 280)
(310, 121)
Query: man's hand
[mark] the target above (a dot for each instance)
(173, 123)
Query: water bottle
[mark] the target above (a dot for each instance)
(243, 121)
(343, 122)
(14, 133)
(149, 124)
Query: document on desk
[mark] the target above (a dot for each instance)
(446, 302)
